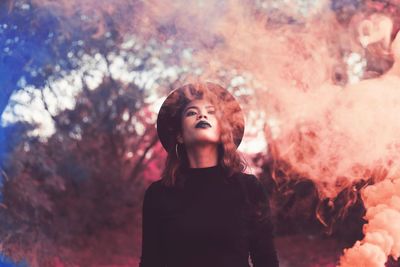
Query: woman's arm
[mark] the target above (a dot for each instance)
(262, 248)
(152, 254)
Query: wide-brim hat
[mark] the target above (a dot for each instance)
(169, 116)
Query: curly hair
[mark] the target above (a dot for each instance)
(230, 121)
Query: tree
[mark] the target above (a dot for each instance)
(76, 196)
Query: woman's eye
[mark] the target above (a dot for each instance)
(211, 111)
(190, 113)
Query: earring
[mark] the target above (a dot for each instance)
(176, 151)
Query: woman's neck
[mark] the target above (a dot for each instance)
(202, 156)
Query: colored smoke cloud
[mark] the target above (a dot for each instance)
(382, 232)
(331, 131)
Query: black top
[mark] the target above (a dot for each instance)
(213, 221)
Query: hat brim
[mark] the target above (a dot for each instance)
(169, 115)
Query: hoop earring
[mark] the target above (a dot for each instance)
(176, 151)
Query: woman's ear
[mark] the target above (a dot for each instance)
(179, 138)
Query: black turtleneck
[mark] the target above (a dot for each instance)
(212, 221)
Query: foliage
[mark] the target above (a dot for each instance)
(76, 196)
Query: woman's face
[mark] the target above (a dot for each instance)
(192, 132)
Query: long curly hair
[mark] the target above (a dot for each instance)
(229, 118)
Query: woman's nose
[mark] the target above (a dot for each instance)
(201, 115)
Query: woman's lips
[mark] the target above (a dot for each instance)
(203, 125)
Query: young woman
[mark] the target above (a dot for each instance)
(205, 211)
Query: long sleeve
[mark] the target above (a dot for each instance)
(262, 248)
(152, 253)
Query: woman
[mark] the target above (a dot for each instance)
(205, 211)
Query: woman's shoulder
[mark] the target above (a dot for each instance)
(248, 178)
(155, 186)
(252, 185)
(154, 189)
